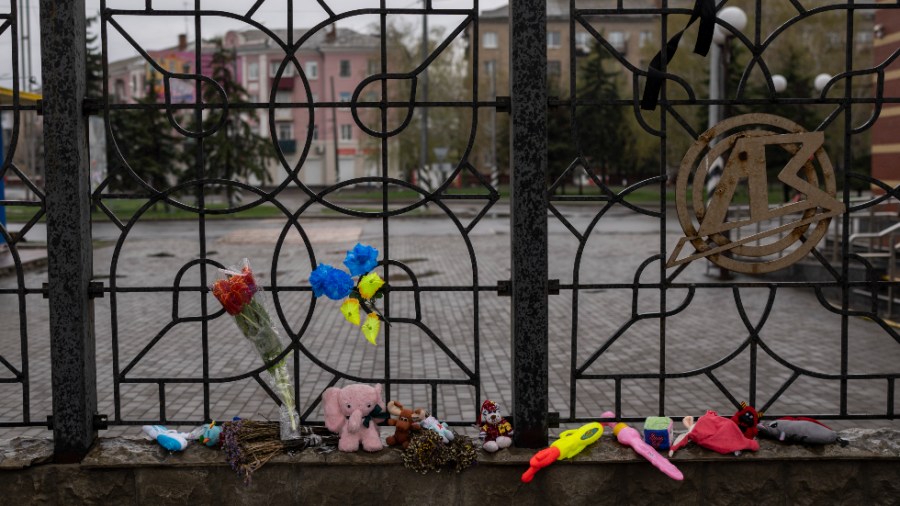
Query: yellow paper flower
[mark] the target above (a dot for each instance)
(369, 284)
(371, 327)
(350, 309)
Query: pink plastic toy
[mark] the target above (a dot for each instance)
(631, 437)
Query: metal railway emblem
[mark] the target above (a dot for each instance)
(781, 235)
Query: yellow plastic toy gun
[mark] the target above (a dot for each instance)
(569, 444)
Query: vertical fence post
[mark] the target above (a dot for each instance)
(68, 227)
(528, 217)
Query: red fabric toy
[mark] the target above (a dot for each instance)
(746, 419)
(717, 434)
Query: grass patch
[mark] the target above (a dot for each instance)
(650, 194)
(125, 209)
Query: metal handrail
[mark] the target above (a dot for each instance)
(876, 235)
(891, 255)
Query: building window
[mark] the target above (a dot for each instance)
(554, 69)
(617, 40)
(346, 132)
(134, 85)
(120, 90)
(315, 134)
(283, 113)
(253, 71)
(312, 70)
(646, 38)
(372, 67)
(283, 97)
(553, 39)
(489, 66)
(345, 68)
(275, 65)
(583, 42)
(344, 96)
(489, 40)
(864, 37)
(285, 131)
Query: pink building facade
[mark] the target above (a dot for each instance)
(128, 79)
(333, 61)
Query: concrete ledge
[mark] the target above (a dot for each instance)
(122, 471)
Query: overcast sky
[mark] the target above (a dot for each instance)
(155, 32)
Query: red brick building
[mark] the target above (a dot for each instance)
(886, 131)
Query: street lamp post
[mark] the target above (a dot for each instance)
(719, 59)
(779, 83)
(423, 141)
(441, 154)
(821, 81)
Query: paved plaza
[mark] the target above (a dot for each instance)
(798, 330)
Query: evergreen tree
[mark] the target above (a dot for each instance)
(799, 84)
(144, 138)
(560, 145)
(234, 151)
(604, 138)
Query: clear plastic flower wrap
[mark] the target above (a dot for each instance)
(243, 299)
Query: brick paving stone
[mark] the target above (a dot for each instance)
(799, 330)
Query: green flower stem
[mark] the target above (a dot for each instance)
(370, 307)
(256, 325)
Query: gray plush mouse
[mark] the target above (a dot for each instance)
(799, 431)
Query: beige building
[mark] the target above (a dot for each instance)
(632, 36)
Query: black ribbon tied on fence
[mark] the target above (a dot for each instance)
(705, 11)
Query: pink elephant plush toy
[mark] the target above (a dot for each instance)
(354, 413)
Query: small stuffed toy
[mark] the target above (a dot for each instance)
(746, 419)
(495, 430)
(433, 424)
(799, 430)
(206, 434)
(171, 440)
(715, 433)
(407, 421)
(210, 435)
(354, 412)
(658, 432)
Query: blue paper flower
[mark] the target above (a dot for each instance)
(333, 283)
(361, 259)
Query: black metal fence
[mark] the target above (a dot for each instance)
(23, 293)
(750, 345)
(596, 374)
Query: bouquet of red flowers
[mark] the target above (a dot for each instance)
(242, 298)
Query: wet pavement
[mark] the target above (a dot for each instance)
(155, 335)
